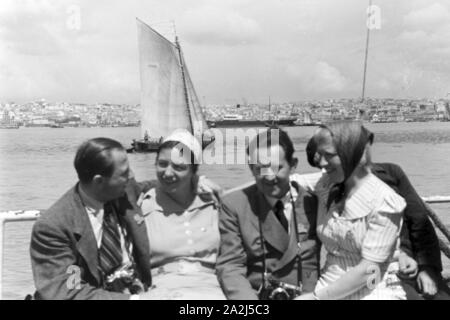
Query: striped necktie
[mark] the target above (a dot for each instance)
(110, 253)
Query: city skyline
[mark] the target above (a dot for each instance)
(236, 51)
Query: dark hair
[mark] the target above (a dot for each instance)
(94, 157)
(173, 144)
(311, 149)
(265, 139)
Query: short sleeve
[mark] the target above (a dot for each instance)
(383, 228)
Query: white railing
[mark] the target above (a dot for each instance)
(11, 216)
(436, 199)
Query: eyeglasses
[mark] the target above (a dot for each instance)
(327, 155)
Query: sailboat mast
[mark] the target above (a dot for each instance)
(366, 55)
(186, 95)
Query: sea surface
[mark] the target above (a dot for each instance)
(36, 168)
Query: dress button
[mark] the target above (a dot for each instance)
(190, 241)
(192, 251)
(203, 229)
(188, 232)
(187, 224)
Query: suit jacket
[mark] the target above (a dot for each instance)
(417, 237)
(63, 237)
(239, 264)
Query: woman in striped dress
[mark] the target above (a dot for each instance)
(359, 219)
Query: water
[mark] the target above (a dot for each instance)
(36, 168)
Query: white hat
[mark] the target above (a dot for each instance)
(185, 137)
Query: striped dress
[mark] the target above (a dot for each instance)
(368, 228)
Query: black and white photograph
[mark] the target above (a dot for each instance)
(223, 150)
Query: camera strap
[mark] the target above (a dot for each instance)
(298, 258)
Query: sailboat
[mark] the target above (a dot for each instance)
(168, 97)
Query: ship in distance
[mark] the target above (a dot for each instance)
(237, 120)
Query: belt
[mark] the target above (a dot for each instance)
(183, 267)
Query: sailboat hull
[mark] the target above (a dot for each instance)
(149, 146)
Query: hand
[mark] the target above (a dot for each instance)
(306, 296)
(140, 199)
(426, 282)
(408, 266)
(206, 186)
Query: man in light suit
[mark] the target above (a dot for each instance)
(268, 228)
(73, 249)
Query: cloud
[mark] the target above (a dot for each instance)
(428, 18)
(31, 27)
(219, 26)
(328, 78)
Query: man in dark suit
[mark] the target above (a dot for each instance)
(92, 230)
(268, 229)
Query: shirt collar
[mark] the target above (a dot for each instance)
(285, 199)
(88, 201)
(150, 204)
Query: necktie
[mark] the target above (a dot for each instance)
(110, 253)
(279, 212)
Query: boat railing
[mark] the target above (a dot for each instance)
(32, 215)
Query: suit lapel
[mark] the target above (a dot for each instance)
(86, 244)
(273, 231)
(136, 227)
(291, 250)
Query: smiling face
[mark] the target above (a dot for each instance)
(174, 170)
(327, 158)
(271, 170)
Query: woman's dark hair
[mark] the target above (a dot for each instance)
(173, 144)
(311, 149)
(269, 138)
(94, 157)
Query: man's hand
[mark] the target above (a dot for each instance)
(206, 187)
(426, 281)
(407, 265)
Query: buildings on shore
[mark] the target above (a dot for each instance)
(321, 111)
(43, 113)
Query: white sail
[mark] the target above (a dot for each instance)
(197, 118)
(163, 93)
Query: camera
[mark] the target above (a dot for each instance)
(124, 279)
(274, 289)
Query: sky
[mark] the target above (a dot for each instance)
(236, 50)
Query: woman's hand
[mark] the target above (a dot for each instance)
(407, 265)
(426, 282)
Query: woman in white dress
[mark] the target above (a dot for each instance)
(182, 226)
(359, 219)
